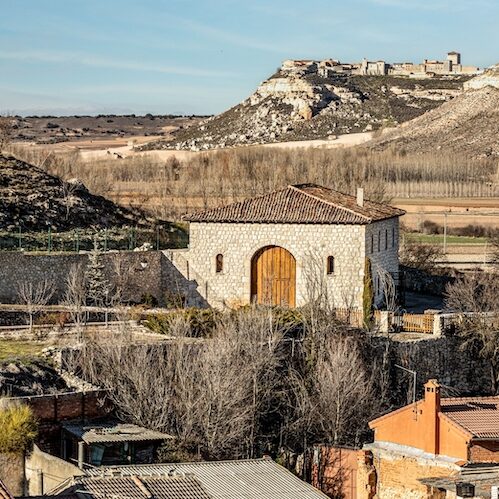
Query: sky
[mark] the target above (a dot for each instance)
(203, 56)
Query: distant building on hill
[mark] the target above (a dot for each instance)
(328, 68)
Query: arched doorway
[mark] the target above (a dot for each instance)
(273, 277)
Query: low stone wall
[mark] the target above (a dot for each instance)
(163, 275)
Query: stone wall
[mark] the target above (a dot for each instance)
(148, 273)
(432, 358)
(310, 244)
(398, 473)
(382, 247)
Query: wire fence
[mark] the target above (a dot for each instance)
(110, 239)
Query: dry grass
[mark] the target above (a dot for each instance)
(208, 179)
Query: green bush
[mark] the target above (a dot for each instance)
(201, 321)
(18, 429)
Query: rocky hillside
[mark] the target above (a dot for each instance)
(32, 198)
(291, 106)
(469, 124)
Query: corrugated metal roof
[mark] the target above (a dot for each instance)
(477, 415)
(244, 479)
(302, 204)
(133, 487)
(112, 431)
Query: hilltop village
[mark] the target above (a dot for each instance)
(327, 68)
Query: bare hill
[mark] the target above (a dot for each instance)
(33, 199)
(289, 107)
(468, 124)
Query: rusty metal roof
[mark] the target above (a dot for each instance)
(244, 479)
(300, 204)
(112, 431)
(479, 416)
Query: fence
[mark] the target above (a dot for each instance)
(389, 321)
(129, 238)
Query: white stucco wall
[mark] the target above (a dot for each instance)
(310, 244)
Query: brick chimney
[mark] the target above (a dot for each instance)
(360, 196)
(431, 408)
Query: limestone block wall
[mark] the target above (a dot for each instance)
(382, 247)
(310, 244)
(398, 473)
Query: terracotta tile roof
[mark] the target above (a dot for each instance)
(301, 204)
(479, 416)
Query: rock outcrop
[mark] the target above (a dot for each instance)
(305, 105)
(469, 124)
(32, 199)
(489, 78)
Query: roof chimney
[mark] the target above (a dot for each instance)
(360, 196)
(431, 409)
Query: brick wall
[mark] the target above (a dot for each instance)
(52, 410)
(484, 452)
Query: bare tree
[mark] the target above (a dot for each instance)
(476, 297)
(34, 296)
(68, 190)
(334, 397)
(420, 256)
(75, 296)
(388, 288)
(208, 393)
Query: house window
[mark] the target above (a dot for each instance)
(393, 237)
(386, 239)
(372, 243)
(379, 240)
(219, 263)
(330, 264)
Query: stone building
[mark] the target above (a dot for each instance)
(286, 247)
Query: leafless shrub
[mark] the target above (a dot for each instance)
(34, 296)
(75, 296)
(476, 296)
(420, 256)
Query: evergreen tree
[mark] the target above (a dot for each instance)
(97, 284)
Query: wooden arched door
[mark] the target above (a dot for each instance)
(273, 277)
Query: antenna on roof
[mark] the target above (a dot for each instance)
(414, 381)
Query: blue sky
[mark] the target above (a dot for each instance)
(203, 56)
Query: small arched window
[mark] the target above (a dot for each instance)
(219, 263)
(330, 265)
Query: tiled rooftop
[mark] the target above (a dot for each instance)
(479, 416)
(301, 204)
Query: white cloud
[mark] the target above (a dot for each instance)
(101, 62)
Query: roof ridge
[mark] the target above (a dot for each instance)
(339, 206)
